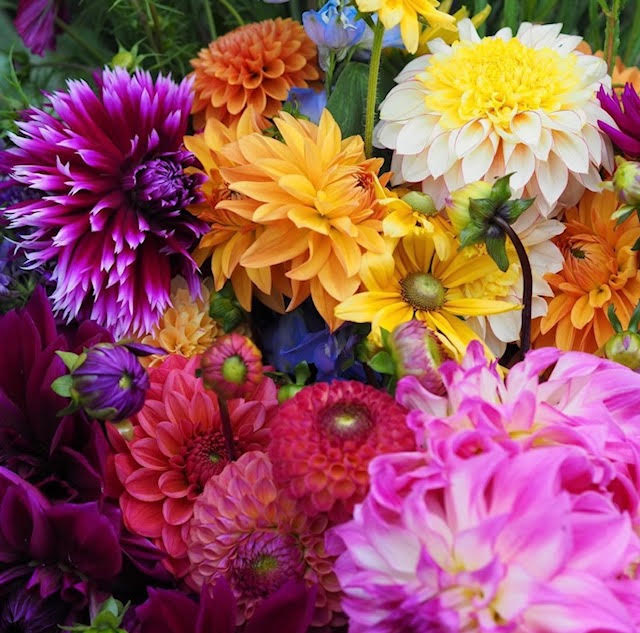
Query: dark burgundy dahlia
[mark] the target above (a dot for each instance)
(111, 167)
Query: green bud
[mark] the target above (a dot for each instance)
(458, 204)
(624, 348)
(288, 391)
(626, 182)
(127, 59)
(420, 202)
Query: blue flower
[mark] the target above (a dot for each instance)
(308, 102)
(334, 30)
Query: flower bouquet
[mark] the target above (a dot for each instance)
(319, 317)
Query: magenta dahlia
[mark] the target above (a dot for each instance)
(323, 439)
(111, 169)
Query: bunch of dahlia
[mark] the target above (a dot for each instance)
(110, 167)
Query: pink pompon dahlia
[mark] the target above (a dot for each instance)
(176, 447)
(324, 438)
(527, 542)
(110, 167)
(255, 535)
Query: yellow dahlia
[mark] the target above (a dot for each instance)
(407, 14)
(186, 327)
(312, 197)
(255, 65)
(231, 234)
(482, 108)
(413, 282)
(600, 269)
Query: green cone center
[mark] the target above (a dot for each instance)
(234, 369)
(422, 291)
(347, 421)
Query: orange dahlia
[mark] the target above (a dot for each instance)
(599, 269)
(176, 446)
(313, 196)
(246, 529)
(254, 65)
(230, 234)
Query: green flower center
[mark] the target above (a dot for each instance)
(264, 564)
(125, 382)
(422, 291)
(347, 421)
(234, 370)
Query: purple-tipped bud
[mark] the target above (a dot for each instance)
(416, 351)
(624, 348)
(110, 384)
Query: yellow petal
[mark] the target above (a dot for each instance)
(319, 251)
(398, 223)
(479, 307)
(309, 218)
(363, 307)
(599, 296)
(335, 282)
(391, 316)
(377, 270)
(278, 243)
(582, 312)
(347, 251)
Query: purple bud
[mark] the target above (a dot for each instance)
(416, 351)
(110, 384)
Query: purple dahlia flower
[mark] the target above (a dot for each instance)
(624, 129)
(36, 24)
(112, 171)
(64, 457)
(22, 610)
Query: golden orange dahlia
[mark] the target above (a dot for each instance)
(599, 269)
(313, 196)
(254, 65)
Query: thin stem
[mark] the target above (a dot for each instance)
(527, 285)
(372, 87)
(328, 79)
(231, 9)
(79, 40)
(296, 13)
(157, 27)
(227, 429)
(612, 35)
(210, 21)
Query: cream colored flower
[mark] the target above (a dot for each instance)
(481, 108)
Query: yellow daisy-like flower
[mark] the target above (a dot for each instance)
(414, 282)
(312, 196)
(406, 13)
(186, 327)
(481, 108)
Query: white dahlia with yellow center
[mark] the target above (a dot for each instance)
(482, 108)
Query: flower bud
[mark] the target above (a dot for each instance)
(416, 351)
(232, 366)
(110, 383)
(420, 202)
(458, 203)
(288, 391)
(626, 181)
(624, 348)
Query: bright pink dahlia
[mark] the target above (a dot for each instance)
(324, 438)
(110, 167)
(497, 542)
(177, 447)
(255, 535)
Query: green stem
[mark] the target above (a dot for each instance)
(156, 24)
(328, 79)
(296, 13)
(230, 8)
(68, 30)
(210, 21)
(612, 35)
(372, 87)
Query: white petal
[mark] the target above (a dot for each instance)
(521, 163)
(547, 256)
(538, 35)
(592, 139)
(439, 47)
(527, 126)
(565, 120)
(454, 178)
(567, 43)
(591, 180)
(386, 133)
(437, 189)
(506, 326)
(552, 176)
(470, 136)
(396, 170)
(572, 193)
(497, 169)
(539, 307)
(543, 147)
(415, 134)
(572, 150)
(477, 162)
(414, 168)
(504, 34)
(467, 31)
(439, 159)
(414, 67)
(403, 102)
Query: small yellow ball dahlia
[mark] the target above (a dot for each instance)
(186, 327)
(483, 108)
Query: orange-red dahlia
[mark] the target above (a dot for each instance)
(177, 447)
(254, 534)
(599, 269)
(254, 65)
(324, 438)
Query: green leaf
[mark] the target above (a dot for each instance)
(384, 337)
(517, 207)
(348, 98)
(302, 372)
(501, 191)
(613, 319)
(383, 363)
(498, 252)
(472, 234)
(635, 319)
(69, 359)
(63, 385)
(636, 246)
(623, 213)
(482, 209)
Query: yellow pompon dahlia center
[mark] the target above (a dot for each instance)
(497, 79)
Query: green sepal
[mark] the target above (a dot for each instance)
(516, 208)
(472, 234)
(384, 337)
(501, 191)
(497, 251)
(63, 386)
(613, 319)
(107, 620)
(636, 246)
(302, 372)
(383, 363)
(72, 361)
(482, 209)
(624, 213)
(635, 319)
